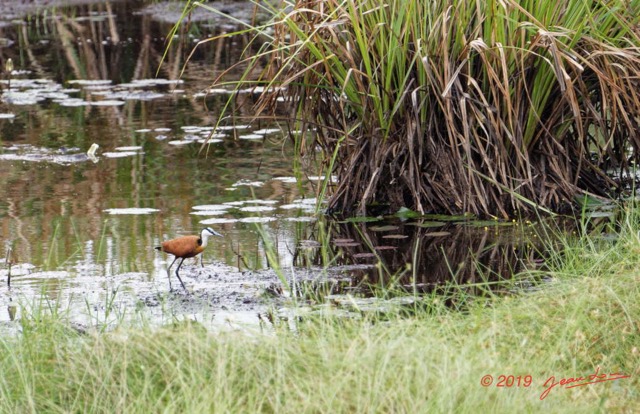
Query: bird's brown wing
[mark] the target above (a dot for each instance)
(186, 246)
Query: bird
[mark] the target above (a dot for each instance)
(185, 247)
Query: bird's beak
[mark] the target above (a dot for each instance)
(215, 233)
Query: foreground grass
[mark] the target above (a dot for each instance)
(587, 319)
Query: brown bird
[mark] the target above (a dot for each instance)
(185, 247)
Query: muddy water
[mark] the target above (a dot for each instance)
(81, 230)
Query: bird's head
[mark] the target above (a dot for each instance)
(208, 231)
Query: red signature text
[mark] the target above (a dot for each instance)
(572, 382)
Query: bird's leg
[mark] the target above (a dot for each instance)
(201, 260)
(169, 269)
(169, 272)
(180, 264)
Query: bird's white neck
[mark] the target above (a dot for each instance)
(204, 236)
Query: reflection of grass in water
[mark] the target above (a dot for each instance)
(428, 362)
(54, 260)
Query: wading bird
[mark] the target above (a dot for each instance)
(185, 247)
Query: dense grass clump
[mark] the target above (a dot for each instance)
(585, 319)
(485, 107)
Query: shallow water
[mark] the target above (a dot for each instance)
(87, 227)
(82, 229)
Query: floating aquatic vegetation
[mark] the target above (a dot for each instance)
(334, 178)
(180, 142)
(208, 212)
(288, 180)
(212, 91)
(247, 183)
(258, 201)
(362, 219)
(84, 82)
(304, 208)
(211, 207)
(145, 83)
(129, 148)
(208, 134)
(251, 136)
(142, 96)
(72, 102)
(302, 219)
(311, 200)
(120, 154)
(256, 209)
(131, 210)
(218, 221)
(30, 153)
(384, 228)
(261, 89)
(195, 128)
(107, 102)
(232, 127)
(345, 243)
(209, 141)
(296, 205)
(437, 234)
(266, 131)
(55, 95)
(22, 98)
(428, 224)
(257, 219)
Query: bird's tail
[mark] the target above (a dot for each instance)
(158, 248)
